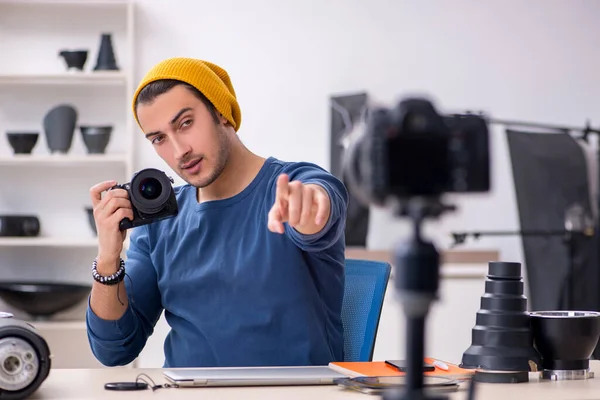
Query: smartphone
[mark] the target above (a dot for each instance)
(400, 365)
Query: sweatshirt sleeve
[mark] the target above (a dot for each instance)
(309, 173)
(119, 342)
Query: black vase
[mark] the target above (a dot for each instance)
(59, 127)
(106, 55)
(502, 338)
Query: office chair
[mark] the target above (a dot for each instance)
(366, 283)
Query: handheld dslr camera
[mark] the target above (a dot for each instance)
(152, 198)
(412, 151)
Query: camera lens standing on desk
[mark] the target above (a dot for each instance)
(152, 198)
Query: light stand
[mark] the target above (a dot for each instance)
(569, 237)
(417, 281)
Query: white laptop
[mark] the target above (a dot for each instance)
(253, 376)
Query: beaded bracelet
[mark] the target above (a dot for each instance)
(110, 280)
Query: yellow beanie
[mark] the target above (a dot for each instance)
(210, 79)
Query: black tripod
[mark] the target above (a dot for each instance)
(417, 264)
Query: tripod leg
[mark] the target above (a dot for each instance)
(415, 351)
(416, 280)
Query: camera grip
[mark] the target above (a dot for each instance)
(125, 224)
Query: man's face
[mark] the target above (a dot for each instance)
(185, 135)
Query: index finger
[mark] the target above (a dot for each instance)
(283, 189)
(96, 191)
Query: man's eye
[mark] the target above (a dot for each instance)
(156, 139)
(185, 123)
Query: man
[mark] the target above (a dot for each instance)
(251, 270)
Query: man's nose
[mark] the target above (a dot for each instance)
(181, 149)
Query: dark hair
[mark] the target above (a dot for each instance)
(156, 88)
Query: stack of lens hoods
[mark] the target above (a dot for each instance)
(502, 348)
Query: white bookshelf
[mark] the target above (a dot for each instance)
(33, 80)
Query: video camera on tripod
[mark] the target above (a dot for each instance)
(405, 159)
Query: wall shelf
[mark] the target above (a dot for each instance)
(48, 242)
(83, 3)
(52, 160)
(66, 79)
(56, 242)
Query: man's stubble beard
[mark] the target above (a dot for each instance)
(220, 162)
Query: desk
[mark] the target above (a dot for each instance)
(83, 384)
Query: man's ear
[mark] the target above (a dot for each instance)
(223, 120)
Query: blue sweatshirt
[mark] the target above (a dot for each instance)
(233, 292)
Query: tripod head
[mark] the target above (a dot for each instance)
(405, 159)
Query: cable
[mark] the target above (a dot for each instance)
(119, 286)
(150, 382)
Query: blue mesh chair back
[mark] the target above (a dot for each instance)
(366, 283)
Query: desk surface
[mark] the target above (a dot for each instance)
(85, 384)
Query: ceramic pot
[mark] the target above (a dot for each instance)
(22, 142)
(96, 138)
(59, 127)
(75, 59)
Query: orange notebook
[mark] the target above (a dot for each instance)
(380, 368)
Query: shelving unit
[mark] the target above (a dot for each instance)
(33, 80)
(40, 70)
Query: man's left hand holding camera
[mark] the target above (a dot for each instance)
(109, 210)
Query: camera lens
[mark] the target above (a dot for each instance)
(150, 188)
(150, 191)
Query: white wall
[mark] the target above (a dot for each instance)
(533, 61)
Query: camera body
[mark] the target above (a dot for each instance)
(152, 198)
(412, 151)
